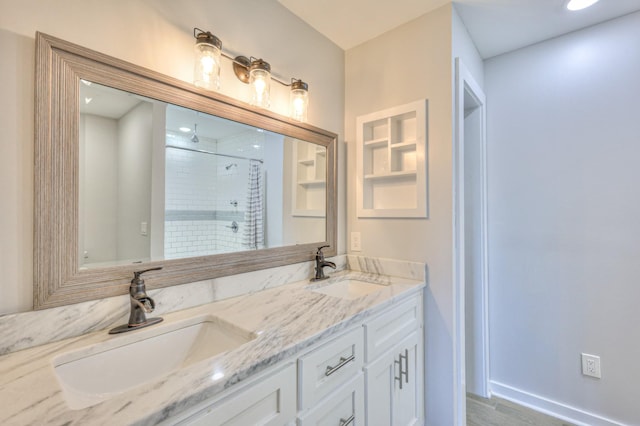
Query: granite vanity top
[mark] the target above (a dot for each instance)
(286, 319)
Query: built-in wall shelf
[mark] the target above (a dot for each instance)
(392, 175)
(309, 179)
(392, 162)
(311, 183)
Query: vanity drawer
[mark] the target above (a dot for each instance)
(268, 401)
(344, 407)
(329, 366)
(388, 328)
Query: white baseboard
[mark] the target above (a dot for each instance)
(547, 406)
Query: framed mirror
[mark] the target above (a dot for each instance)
(135, 170)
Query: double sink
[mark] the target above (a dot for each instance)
(98, 372)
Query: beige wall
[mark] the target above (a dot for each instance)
(406, 64)
(157, 35)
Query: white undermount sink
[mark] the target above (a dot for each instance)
(98, 372)
(348, 288)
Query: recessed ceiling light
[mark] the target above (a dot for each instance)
(185, 129)
(580, 4)
(87, 101)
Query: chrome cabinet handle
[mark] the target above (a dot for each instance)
(348, 421)
(343, 361)
(402, 371)
(406, 364)
(398, 362)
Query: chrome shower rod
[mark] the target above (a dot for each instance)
(204, 151)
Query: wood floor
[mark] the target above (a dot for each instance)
(499, 412)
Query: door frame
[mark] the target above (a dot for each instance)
(464, 82)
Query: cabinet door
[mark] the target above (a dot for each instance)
(385, 331)
(393, 385)
(379, 385)
(407, 403)
(270, 401)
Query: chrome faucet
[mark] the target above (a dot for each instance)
(141, 305)
(320, 265)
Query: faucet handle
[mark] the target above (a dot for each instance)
(319, 252)
(139, 282)
(136, 274)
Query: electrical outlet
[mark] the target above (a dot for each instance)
(591, 366)
(356, 242)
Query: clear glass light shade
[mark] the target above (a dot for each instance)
(207, 66)
(299, 101)
(260, 81)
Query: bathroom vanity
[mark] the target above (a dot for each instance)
(347, 350)
(371, 371)
(245, 338)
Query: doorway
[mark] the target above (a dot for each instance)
(470, 250)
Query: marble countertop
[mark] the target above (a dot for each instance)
(286, 319)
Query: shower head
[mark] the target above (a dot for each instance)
(228, 166)
(194, 137)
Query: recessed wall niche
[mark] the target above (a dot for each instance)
(309, 182)
(392, 163)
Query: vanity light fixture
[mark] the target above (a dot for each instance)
(299, 100)
(574, 5)
(255, 72)
(207, 67)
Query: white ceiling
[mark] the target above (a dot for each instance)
(104, 101)
(496, 26)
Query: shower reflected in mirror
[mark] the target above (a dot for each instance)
(148, 192)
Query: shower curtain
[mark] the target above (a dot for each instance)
(253, 235)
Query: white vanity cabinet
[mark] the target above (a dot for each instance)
(371, 374)
(386, 389)
(394, 383)
(394, 367)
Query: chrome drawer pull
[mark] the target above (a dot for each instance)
(347, 422)
(343, 361)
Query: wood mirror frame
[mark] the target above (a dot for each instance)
(57, 278)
